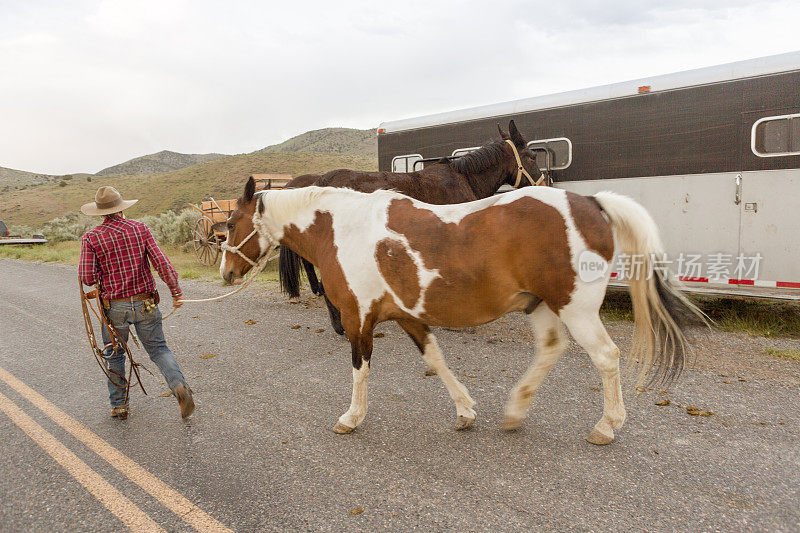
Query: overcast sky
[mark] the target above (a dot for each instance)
(87, 84)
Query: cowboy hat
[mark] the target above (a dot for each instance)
(107, 201)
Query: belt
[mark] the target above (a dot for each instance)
(134, 298)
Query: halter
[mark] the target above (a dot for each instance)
(521, 170)
(236, 249)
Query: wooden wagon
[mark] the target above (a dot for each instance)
(210, 230)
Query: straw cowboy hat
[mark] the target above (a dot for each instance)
(107, 201)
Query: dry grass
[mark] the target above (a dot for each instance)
(794, 355)
(221, 178)
(69, 252)
(759, 318)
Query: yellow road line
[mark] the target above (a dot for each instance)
(169, 497)
(124, 509)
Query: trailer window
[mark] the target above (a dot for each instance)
(776, 136)
(405, 163)
(559, 148)
(458, 152)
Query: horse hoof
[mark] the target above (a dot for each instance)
(342, 429)
(464, 422)
(511, 424)
(595, 437)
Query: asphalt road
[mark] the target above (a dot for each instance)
(259, 453)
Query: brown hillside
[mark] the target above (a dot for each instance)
(221, 178)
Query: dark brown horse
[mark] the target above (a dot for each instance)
(476, 175)
(539, 250)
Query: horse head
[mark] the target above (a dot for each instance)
(525, 170)
(246, 244)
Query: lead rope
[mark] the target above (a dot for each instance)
(259, 266)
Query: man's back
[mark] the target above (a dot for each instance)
(117, 253)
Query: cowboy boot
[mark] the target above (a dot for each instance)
(184, 395)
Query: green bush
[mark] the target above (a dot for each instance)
(67, 228)
(171, 227)
(62, 183)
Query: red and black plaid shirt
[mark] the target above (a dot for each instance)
(116, 254)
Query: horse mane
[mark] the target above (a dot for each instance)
(480, 160)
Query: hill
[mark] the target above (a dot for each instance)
(223, 178)
(330, 141)
(163, 161)
(12, 179)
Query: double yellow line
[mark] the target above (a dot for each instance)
(124, 509)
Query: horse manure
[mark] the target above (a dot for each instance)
(166, 394)
(694, 411)
(726, 381)
(663, 403)
(429, 372)
(320, 330)
(208, 355)
(379, 335)
(250, 322)
(640, 389)
(595, 388)
(284, 441)
(357, 510)
(296, 326)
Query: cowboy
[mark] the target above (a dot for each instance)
(118, 254)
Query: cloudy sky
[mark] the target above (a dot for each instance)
(87, 84)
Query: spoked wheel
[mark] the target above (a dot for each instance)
(204, 242)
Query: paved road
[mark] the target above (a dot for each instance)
(258, 454)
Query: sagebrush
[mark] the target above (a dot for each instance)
(167, 228)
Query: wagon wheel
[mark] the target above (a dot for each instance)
(204, 242)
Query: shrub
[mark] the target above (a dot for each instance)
(171, 227)
(67, 228)
(89, 179)
(62, 183)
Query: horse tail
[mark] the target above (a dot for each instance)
(311, 276)
(660, 310)
(289, 272)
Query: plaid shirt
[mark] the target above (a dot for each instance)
(116, 254)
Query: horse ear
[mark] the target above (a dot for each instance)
(249, 190)
(519, 141)
(503, 135)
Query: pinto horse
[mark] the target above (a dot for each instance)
(476, 175)
(385, 256)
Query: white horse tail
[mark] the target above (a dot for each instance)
(660, 310)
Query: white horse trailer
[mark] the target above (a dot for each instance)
(712, 153)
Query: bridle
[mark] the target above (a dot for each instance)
(237, 249)
(521, 170)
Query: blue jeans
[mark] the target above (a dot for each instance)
(148, 328)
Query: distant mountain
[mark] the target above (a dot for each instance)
(330, 141)
(12, 179)
(164, 161)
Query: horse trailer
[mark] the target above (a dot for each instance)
(712, 153)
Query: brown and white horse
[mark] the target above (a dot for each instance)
(385, 256)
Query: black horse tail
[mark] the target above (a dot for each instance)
(313, 282)
(289, 272)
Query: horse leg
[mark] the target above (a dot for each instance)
(333, 312)
(311, 274)
(361, 346)
(589, 332)
(550, 346)
(426, 342)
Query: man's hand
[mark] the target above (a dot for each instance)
(177, 301)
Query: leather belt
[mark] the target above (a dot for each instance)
(134, 298)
